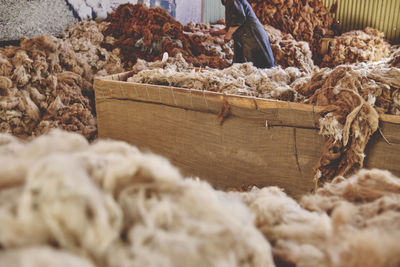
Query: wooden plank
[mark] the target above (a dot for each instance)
(262, 142)
(276, 112)
(240, 152)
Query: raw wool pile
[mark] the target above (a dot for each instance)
(306, 20)
(239, 79)
(395, 56)
(356, 46)
(85, 39)
(107, 204)
(199, 33)
(349, 222)
(352, 97)
(288, 52)
(146, 33)
(47, 82)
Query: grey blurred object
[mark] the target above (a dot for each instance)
(33, 17)
(168, 5)
(188, 11)
(184, 11)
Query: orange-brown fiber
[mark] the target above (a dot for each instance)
(146, 33)
(306, 20)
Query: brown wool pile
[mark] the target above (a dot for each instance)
(353, 96)
(47, 82)
(349, 222)
(356, 46)
(288, 52)
(66, 202)
(146, 33)
(306, 20)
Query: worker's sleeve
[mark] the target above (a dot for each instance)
(234, 13)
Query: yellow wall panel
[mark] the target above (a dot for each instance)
(379, 14)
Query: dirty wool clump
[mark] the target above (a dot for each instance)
(395, 56)
(46, 82)
(85, 39)
(108, 204)
(306, 20)
(239, 79)
(146, 33)
(349, 222)
(352, 96)
(356, 46)
(288, 52)
(199, 33)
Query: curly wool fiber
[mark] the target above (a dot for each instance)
(110, 204)
(239, 79)
(356, 46)
(349, 222)
(306, 20)
(146, 33)
(352, 96)
(51, 81)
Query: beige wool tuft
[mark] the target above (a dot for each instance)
(348, 222)
(109, 203)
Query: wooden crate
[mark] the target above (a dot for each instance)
(262, 142)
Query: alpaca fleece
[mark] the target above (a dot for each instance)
(146, 33)
(288, 52)
(356, 46)
(239, 79)
(199, 33)
(349, 222)
(109, 204)
(353, 96)
(46, 82)
(306, 20)
(395, 56)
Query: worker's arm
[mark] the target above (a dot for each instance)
(229, 33)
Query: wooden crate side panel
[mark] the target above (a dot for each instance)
(275, 112)
(240, 152)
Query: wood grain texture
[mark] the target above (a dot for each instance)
(262, 142)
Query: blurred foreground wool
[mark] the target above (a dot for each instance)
(108, 204)
(66, 202)
(349, 222)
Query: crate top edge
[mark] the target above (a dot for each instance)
(237, 100)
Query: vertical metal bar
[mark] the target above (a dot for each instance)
(347, 16)
(391, 15)
(396, 37)
(380, 15)
(361, 11)
(367, 14)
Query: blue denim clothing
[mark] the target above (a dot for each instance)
(251, 41)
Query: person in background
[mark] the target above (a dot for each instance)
(251, 41)
(169, 5)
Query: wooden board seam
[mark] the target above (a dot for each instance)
(270, 123)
